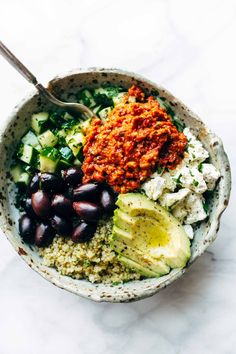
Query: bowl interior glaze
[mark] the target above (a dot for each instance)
(64, 87)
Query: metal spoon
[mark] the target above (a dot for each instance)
(72, 108)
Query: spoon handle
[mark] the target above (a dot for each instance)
(10, 57)
(20, 67)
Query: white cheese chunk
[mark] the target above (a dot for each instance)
(195, 149)
(191, 178)
(153, 188)
(189, 231)
(171, 199)
(180, 212)
(194, 207)
(210, 175)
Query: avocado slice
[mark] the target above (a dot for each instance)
(148, 235)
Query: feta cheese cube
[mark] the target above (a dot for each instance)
(191, 178)
(210, 175)
(195, 210)
(168, 200)
(153, 188)
(195, 149)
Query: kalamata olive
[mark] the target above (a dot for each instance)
(28, 208)
(107, 200)
(27, 228)
(34, 184)
(62, 205)
(44, 235)
(51, 183)
(61, 225)
(41, 204)
(73, 176)
(88, 192)
(83, 232)
(87, 211)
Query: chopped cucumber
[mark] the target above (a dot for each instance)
(39, 122)
(16, 172)
(84, 125)
(67, 116)
(56, 119)
(48, 139)
(85, 97)
(30, 139)
(48, 159)
(75, 139)
(119, 98)
(23, 180)
(27, 154)
(103, 114)
(66, 153)
(20, 177)
(96, 109)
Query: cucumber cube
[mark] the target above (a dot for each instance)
(27, 154)
(103, 114)
(39, 122)
(66, 153)
(48, 159)
(48, 139)
(75, 141)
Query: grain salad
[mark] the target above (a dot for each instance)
(95, 261)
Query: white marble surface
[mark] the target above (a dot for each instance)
(189, 47)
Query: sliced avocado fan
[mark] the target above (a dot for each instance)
(147, 238)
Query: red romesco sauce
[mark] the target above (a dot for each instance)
(135, 139)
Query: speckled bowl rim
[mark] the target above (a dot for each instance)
(149, 289)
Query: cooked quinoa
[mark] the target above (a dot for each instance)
(95, 260)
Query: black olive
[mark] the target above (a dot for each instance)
(107, 200)
(41, 204)
(44, 235)
(34, 184)
(62, 226)
(88, 192)
(62, 205)
(28, 208)
(51, 183)
(27, 228)
(83, 232)
(73, 176)
(87, 211)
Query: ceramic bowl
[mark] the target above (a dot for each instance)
(64, 87)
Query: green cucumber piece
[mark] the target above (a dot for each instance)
(39, 122)
(48, 139)
(85, 97)
(104, 112)
(27, 154)
(63, 165)
(48, 159)
(30, 139)
(66, 153)
(75, 141)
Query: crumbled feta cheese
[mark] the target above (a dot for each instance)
(169, 199)
(210, 175)
(180, 212)
(154, 187)
(195, 149)
(189, 231)
(195, 210)
(170, 183)
(119, 98)
(191, 178)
